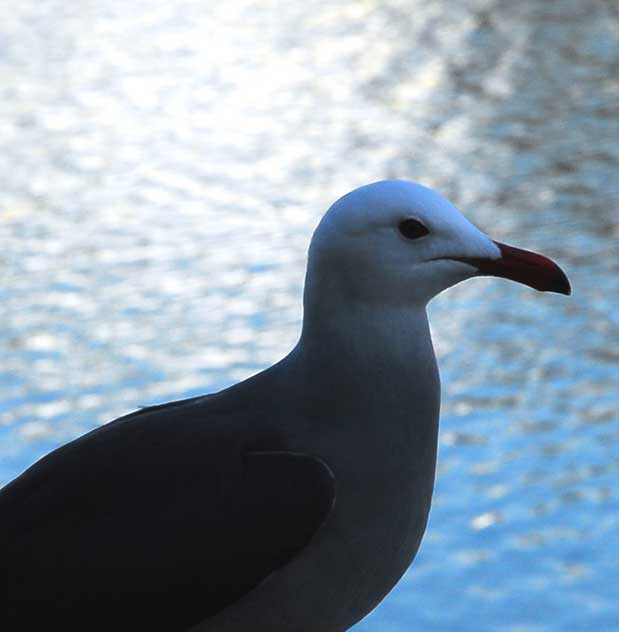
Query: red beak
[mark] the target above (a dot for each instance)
(530, 268)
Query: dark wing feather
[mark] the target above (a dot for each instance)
(154, 522)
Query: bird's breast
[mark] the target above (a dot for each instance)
(383, 493)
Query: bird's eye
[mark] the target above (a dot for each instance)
(412, 229)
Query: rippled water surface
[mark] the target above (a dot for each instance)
(163, 165)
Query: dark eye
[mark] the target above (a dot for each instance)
(412, 229)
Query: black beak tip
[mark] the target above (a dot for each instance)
(558, 282)
(563, 286)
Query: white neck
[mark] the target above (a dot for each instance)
(377, 357)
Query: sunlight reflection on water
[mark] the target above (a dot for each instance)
(164, 165)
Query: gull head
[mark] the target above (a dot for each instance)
(397, 242)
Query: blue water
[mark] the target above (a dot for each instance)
(163, 166)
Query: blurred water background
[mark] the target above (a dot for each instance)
(163, 165)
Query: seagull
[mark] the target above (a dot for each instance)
(292, 501)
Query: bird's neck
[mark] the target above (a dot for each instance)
(371, 378)
(374, 356)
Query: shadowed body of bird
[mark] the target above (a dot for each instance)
(292, 501)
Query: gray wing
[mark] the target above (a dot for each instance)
(156, 522)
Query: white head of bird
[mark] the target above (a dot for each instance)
(395, 242)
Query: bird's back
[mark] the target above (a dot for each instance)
(156, 521)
